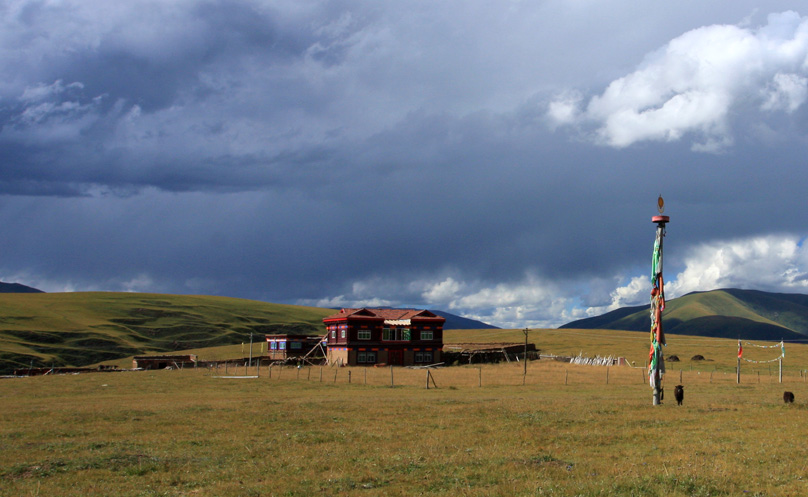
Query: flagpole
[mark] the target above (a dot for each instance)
(740, 352)
(656, 362)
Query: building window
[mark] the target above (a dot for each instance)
(295, 345)
(333, 333)
(363, 334)
(342, 333)
(427, 335)
(396, 334)
(423, 357)
(282, 345)
(273, 345)
(366, 357)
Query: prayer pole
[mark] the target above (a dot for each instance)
(656, 362)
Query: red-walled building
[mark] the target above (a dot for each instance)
(402, 337)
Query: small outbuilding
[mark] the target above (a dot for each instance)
(284, 346)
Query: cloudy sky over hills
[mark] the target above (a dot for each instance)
(499, 160)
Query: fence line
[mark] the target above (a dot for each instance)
(538, 373)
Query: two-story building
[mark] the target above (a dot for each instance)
(364, 337)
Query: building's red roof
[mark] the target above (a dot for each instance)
(386, 314)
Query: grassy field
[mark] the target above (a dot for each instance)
(569, 430)
(720, 355)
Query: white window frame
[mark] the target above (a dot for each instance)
(363, 334)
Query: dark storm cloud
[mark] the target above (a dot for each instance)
(490, 159)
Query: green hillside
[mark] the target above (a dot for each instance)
(729, 313)
(77, 329)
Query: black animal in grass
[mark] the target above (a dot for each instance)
(679, 394)
(788, 397)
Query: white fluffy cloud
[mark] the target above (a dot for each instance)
(777, 263)
(773, 263)
(691, 85)
(787, 92)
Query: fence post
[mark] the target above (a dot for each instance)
(566, 375)
(349, 377)
(781, 369)
(391, 376)
(607, 375)
(427, 379)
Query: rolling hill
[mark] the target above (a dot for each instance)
(726, 313)
(83, 328)
(76, 329)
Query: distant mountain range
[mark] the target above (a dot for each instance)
(17, 288)
(726, 313)
(454, 322)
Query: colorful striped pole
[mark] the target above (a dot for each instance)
(656, 362)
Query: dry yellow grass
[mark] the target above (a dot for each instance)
(189, 433)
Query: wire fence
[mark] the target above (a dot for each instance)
(537, 373)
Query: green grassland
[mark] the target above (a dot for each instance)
(77, 329)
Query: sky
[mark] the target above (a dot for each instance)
(496, 160)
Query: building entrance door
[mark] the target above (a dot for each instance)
(395, 357)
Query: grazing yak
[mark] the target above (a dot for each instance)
(788, 397)
(679, 393)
